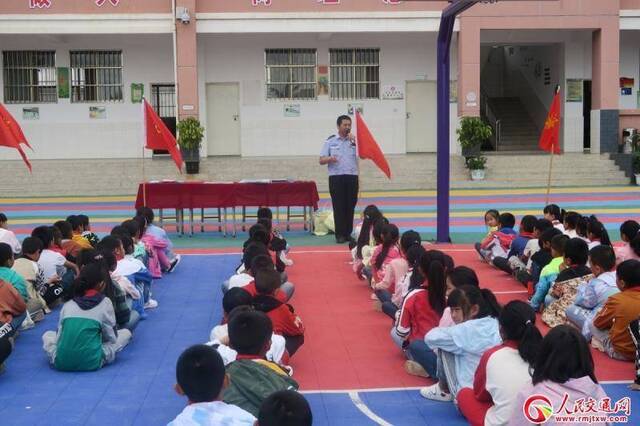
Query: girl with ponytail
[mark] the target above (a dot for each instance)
(597, 233)
(421, 311)
(503, 369)
(385, 252)
(556, 215)
(630, 235)
(86, 338)
(459, 348)
(389, 291)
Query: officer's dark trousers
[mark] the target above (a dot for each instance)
(344, 196)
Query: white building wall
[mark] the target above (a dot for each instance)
(264, 129)
(64, 129)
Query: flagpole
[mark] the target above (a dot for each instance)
(550, 172)
(144, 134)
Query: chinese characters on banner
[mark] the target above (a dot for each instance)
(259, 2)
(39, 4)
(99, 3)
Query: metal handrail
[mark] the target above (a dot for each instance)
(487, 112)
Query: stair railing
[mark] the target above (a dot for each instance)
(487, 113)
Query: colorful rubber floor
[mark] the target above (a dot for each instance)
(349, 369)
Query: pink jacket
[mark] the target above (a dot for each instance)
(157, 259)
(625, 252)
(378, 274)
(394, 272)
(574, 389)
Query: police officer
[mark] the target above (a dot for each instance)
(339, 153)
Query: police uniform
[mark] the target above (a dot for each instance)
(343, 182)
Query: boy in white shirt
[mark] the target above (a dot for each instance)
(201, 377)
(51, 262)
(7, 236)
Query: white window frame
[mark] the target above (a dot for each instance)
(45, 76)
(352, 92)
(291, 67)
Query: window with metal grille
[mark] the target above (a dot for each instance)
(354, 73)
(291, 73)
(96, 76)
(29, 76)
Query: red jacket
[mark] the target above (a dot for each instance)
(11, 303)
(282, 315)
(417, 317)
(251, 289)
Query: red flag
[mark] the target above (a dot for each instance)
(550, 140)
(11, 134)
(368, 147)
(158, 135)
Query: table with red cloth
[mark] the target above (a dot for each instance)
(221, 196)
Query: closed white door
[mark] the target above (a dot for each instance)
(223, 119)
(421, 108)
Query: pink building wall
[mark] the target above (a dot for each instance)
(315, 6)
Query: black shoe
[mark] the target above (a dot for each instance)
(341, 240)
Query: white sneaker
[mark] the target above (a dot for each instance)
(151, 304)
(434, 393)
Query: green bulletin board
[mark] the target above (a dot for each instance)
(63, 83)
(137, 92)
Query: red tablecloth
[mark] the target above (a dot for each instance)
(192, 195)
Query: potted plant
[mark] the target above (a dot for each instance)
(472, 133)
(190, 134)
(636, 166)
(477, 167)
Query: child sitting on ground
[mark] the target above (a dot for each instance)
(201, 377)
(562, 293)
(390, 289)
(414, 254)
(277, 242)
(460, 347)
(86, 338)
(491, 221)
(151, 229)
(13, 309)
(76, 226)
(9, 275)
(610, 327)
(554, 214)
(503, 369)
(532, 248)
(570, 224)
(515, 259)
(7, 236)
(68, 244)
(498, 243)
(550, 272)
(285, 408)
(597, 233)
(421, 311)
(456, 278)
(259, 259)
(131, 227)
(252, 377)
(232, 301)
(591, 296)
(365, 243)
(631, 247)
(384, 253)
(53, 264)
(563, 372)
(27, 267)
(283, 318)
(86, 230)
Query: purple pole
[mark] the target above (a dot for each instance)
(445, 34)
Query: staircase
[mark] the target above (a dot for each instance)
(518, 131)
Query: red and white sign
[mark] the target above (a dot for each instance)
(329, 1)
(99, 3)
(39, 4)
(260, 2)
(391, 1)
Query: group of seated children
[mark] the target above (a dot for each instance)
(452, 331)
(104, 286)
(244, 367)
(575, 275)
